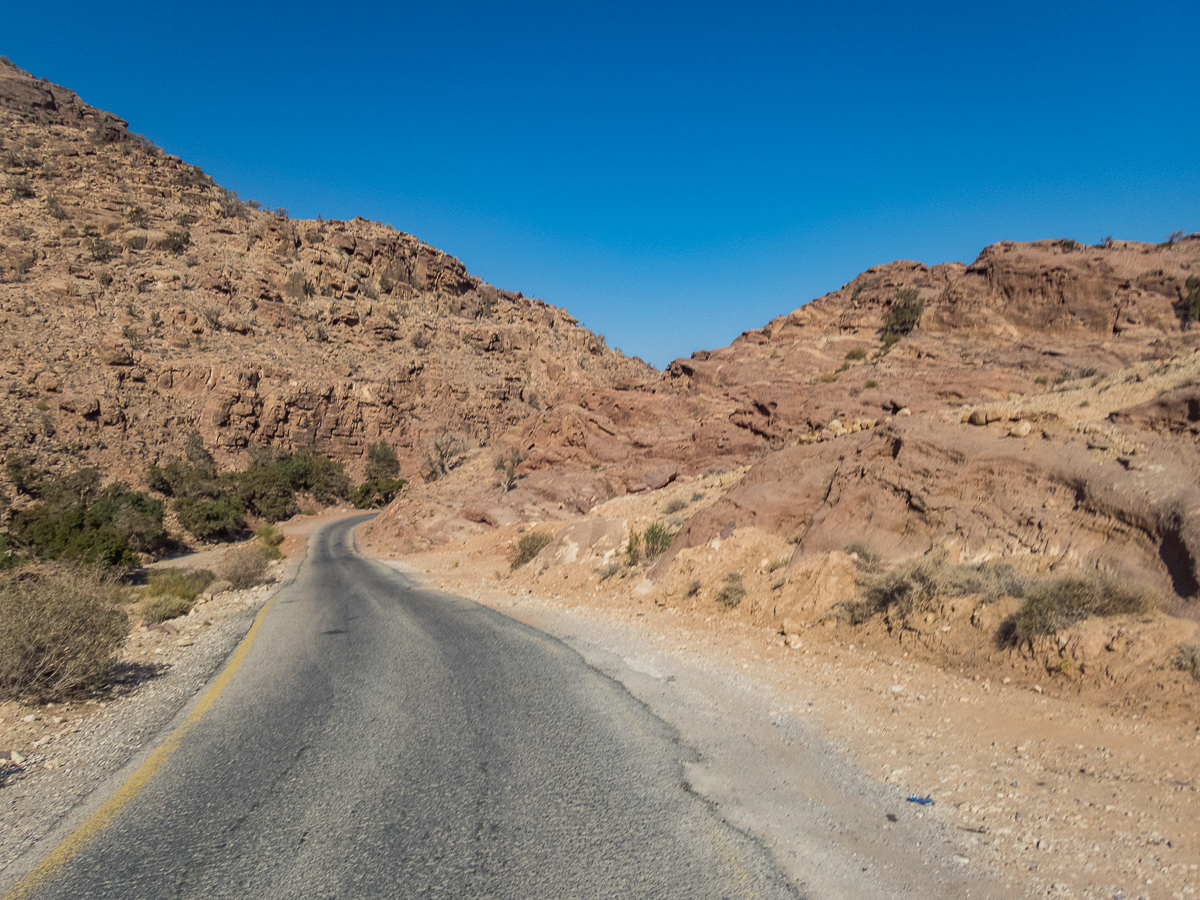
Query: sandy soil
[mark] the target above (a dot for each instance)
(1035, 795)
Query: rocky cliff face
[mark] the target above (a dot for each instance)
(140, 300)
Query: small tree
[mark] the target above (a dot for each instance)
(442, 455)
(506, 465)
(904, 313)
(382, 462)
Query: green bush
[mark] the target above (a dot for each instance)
(168, 606)
(244, 567)
(633, 548)
(59, 631)
(102, 249)
(176, 241)
(732, 591)
(377, 494)
(1188, 306)
(9, 557)
(382, 463)
(211, 518)
(79, 521)
(1051, 606)
(856, 353)
(1187, 659)
(904, 314)
(674, 506)
(186, 583)
(529, 546)
(506, 464)
(269, 534)
(212, 506)
(656, 540)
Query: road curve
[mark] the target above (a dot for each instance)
(384, 741)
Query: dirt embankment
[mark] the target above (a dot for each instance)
(1064, 766)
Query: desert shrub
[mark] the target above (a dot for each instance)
(420, 339)
(137, 217)
(168, 606)
(1050, 606)
(59, 631)
(244, 567)
(9, 557)
(826, 378)
(265, 490)
(19, 187)
(176, 241)
(186, 583)
(916, 586)
(609, 570)
(268, 534)
(633, 547)
(776, 564)
(1188, 307)
(871, 383)
(656, 540)
(443, 455)
(732, 591)
(212, 506)
(77, 520)
(904, 314)
(693, 587)
(377, 494)
(211, 518)
(1187, 659)
(315, 474)
(674, 506)
(382, 462)
(506, 464)
(268, 487)
(525, 549)
(102, 249)
(856, 353)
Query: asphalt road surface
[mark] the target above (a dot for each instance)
(384, 741)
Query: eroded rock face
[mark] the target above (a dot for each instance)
(159, 303)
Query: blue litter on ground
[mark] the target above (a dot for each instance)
(924, 801)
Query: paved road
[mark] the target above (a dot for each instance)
(383, 741)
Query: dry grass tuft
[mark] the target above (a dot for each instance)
(525, 549)
(244, 567)
(59, 631)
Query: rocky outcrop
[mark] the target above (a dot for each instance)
(154, 302)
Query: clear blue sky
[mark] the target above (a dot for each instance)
(670, 173)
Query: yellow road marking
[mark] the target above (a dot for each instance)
(75, 841)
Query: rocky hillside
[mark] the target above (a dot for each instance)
(139, 301)
(1037, 406)
(916, 406)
